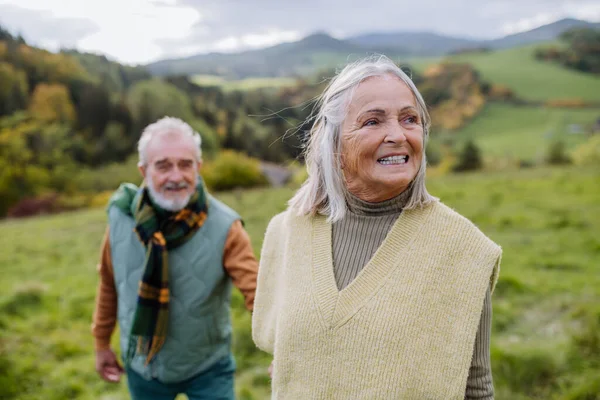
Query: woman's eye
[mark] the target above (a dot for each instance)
(371, 122)
(411, 120)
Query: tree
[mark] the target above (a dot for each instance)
(153, 99)
(582, 51)
(93, 107)
(52, 103)
(13, 89)
(469, 159)
(557, 154)
(33, 158)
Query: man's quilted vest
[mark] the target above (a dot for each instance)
(199, 331)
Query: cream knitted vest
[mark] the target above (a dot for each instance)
(403, 329)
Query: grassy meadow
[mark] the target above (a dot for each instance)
(508, 132)
(242, 84)
(530, 79)
(546, 332)
(546, 327)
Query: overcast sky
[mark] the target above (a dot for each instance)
(140, 31)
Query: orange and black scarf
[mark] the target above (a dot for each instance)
(159, 235)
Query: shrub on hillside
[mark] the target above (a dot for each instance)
(300, 176)
(433, 153)
(107, 177)
(50, 203)
(500, 92)
(469, 159)
(588, 153)
(557, 154)
(231, 170)
(580, 52)
(210, 140)
(30, 206)
(567, 103)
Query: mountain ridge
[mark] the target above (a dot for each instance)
(320, 48)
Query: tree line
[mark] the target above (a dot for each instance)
(579, 50)
(61, 112)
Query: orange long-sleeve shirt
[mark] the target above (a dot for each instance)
(239, 263)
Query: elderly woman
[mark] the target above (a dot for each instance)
(369, 287)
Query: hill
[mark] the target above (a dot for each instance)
(111, 75)
(286, 59)
(542, 34)
(415, 43)
(320, 50)
(546, 317)
(528, 78)
(507, 133)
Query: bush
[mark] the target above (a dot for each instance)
(433, 153)
(588, 154)
(528, 371)
(300, 176)
(469, 159)
(557, 154)
(500, 92)
(210, 141)
(231, 170)
(30, 206)
(108, 177)
(567, 103)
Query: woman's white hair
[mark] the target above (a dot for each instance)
(324, 191)
(171, 126)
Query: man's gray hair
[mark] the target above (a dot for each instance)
(324, 191)
(168, 125)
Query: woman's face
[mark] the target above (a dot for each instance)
(382, 139)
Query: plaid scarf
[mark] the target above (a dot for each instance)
(159, 231)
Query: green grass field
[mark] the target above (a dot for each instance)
(242, 84)
(522, 133)
(529, 78)
(546, 308)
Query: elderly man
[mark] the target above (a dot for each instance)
(169, 258)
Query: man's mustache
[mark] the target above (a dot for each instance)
(175, 185)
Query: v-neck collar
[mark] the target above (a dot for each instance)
(337, 306)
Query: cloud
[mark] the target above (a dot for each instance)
(233, 25)
(127, 30)
(140, 31)
(586, 10)
(226, 22)
(43, 28)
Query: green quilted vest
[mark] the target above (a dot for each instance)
(199, 332)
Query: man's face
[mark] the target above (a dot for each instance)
(171, 171)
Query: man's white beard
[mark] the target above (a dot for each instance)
(175, 204)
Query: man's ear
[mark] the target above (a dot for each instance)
(199, 165)
(142, 169)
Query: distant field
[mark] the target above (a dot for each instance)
(515, 68)
(242, 84)
(546, 330)
(530, 79)
(505, 130)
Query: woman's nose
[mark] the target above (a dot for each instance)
(395, 134)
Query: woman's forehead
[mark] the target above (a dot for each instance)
(381, 92)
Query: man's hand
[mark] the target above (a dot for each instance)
(108, 367)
